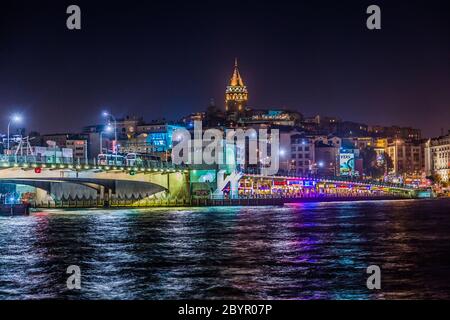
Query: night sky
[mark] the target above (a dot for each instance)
(166, 59)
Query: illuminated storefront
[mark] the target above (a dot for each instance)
(254, 186)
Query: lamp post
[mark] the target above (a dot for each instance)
(15, 118)
(283, 159)
(101, 142)
(108, 129)
(109, 115)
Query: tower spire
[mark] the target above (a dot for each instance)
(236, 94)
(236, 79)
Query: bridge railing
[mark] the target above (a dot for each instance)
(18, 159)
(28, 160)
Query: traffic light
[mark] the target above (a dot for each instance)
(132, 173)
(37, 170)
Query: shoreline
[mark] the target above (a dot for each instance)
(337, 200)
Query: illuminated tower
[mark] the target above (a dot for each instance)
(236, 95)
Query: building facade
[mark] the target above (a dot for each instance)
(408, 157)
(437, 157)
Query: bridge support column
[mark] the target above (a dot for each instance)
(101, 194)
(42, 197)
(107, 197)
(104, 194)
(168, 181)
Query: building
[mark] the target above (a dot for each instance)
(408, 156)
(236, 96)
(154, 126)
(326, 159)
(320, 124)
(380, 146)
(395, 132)
(53, 154)
(296, 153)
(79, 149)
(137, 144)
(351, 129)
(78, 143)
(362, 142)
(128, 125)
(272, 118)
(154, 138)
(214, 117)
(188, 121)
(14, 140)
(437, 157)
(328, 139)
(161, 140)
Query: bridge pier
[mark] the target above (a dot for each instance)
(104, 195)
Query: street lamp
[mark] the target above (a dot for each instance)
(107, 130)
(16, 118)
(282, 154)
(106, 114)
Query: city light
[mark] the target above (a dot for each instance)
(115, 146)
(324, 175)
(16, 118)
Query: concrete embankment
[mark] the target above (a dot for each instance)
(149, 203)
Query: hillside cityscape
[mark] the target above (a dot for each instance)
(309, 145)
(221, 156)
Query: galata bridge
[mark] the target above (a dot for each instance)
(74, 185)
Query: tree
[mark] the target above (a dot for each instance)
(435, 178)
(371, 165)
(389, 164)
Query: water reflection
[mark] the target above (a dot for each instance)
(304, 251)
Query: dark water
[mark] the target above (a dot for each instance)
(309, 251)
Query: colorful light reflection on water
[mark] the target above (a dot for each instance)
(301, 251)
